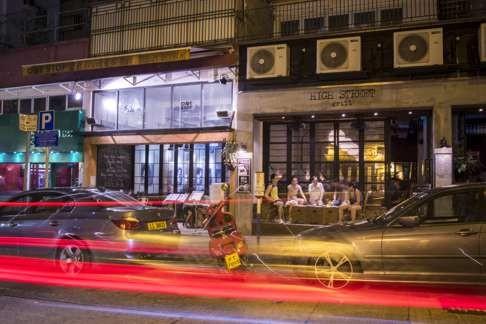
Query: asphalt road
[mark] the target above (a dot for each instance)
(21, 303)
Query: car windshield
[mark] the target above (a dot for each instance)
(389, 215)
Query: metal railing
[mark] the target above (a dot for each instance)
(330, 16)
(25, 28)
(147, 25)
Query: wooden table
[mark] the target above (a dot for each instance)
(319, 215)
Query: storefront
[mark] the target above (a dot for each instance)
(65, 160)
(156, 138)
(386, 136)
(370, 150)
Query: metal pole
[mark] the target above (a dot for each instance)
(27, 162)
(46, 169)
(259, 222)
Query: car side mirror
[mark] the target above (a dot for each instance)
(408, 221)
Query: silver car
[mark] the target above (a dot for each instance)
(78, 227)
(435, 236)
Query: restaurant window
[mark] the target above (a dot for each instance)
(277, 151)
(338, 22)
(215, 164)
(168, 167)
(10, 107)
(57, 103)
(183, 164)
(74, 102)
(139, 172)
(391, 16)
(25, 106)
(324, 150)
(153, 167)
(300, 152)
(314, 25)
(39, 104)
(217, 98)
(199, 167)
(11, 177)
(289, 27)
(348, 141)
(374, 159)
(130, 109)
(105, 110)
(157, 108)
(187, 106)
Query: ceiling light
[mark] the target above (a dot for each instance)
(78, 96)
(375, 114)
(343, 115)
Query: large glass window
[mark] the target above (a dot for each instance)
(25, 106)
(139, 174)
(277, 151)
(300, 153)
(105, 110)
(349, 151)
(183, 163)
(178, 106)
(130, 109)
(187, 106)
(153, 168)
(10, 107)
(324, 150)
(39, 104)
(217, 97)
(168, 165)
(216, 168)
(157, 108)
(199, 167)
(57, 103)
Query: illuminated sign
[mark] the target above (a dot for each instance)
(107, 62)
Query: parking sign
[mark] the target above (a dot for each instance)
(45, 121)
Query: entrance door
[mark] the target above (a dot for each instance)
(445, 241)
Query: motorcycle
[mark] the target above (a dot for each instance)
(226, 243)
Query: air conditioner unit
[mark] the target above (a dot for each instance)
(268, 61)
(418, 48)
(482, 42)
(338, 55)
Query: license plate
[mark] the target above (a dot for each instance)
(154, 226)
(232, 261)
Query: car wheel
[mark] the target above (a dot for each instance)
(334, 270)
(72, 258)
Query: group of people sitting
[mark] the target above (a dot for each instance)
(346, 197)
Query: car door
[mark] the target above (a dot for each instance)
(38, 229)
(443, 245)
(8, 231)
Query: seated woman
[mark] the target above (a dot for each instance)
(355, 199)
(340, 199)
(295, 195)
(271, 196)
(316, 192)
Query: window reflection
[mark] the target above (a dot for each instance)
(105, 110)
(130, 109)
(187, 106)
(199, 166)
(157, 108)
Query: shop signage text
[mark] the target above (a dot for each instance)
(342, 97)
(27, 123)
(107, 62)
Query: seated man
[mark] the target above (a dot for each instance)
(295, 195)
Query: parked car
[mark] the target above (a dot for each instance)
(76, 227)
(438, 235)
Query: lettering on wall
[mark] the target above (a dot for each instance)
(115, 167)
(342, 97)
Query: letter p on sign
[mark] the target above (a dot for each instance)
(45, 120)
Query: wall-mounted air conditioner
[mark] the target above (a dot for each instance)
(269, 61)
(338, 55)
(418, 48)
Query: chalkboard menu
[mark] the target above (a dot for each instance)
(115, 167)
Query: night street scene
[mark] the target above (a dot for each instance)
(242, 161)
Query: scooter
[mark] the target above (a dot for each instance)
(226, 243)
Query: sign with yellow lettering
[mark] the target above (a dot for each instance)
(27, 123)
(104, 62)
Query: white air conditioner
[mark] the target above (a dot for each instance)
(268, 61)
(482, 42)
(338, 55)
(418, 48)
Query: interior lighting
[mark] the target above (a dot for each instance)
(375, 114)
(481, 109)
(343, 115)
(78, 96)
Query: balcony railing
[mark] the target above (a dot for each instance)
(24, 28)
(147, 25)
(293, 18)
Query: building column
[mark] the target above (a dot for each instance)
(442, 130)
(89, 172)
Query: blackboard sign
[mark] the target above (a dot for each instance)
(115, 167)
